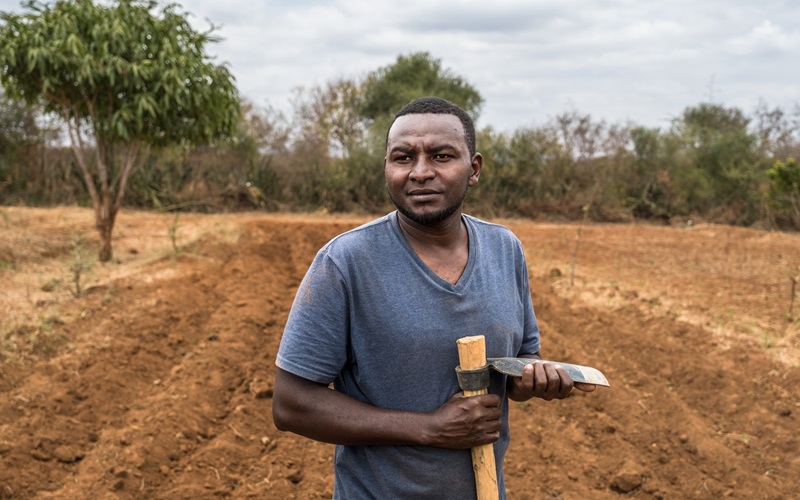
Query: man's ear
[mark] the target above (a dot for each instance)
(476, 165)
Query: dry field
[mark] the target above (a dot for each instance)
(156, 382)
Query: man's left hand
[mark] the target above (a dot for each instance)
(544, 380)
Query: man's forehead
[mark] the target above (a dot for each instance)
(425, 124)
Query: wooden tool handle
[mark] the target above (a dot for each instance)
(471, 356)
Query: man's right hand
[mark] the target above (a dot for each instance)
(465, 422)
(314, 410)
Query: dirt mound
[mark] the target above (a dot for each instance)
(157, 382)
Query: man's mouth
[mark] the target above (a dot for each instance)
(422, 195)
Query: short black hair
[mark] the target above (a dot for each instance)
(439, 106)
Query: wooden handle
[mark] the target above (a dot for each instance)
(472, 355)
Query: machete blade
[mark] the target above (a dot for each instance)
(514, 366)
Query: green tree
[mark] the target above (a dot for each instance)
(19, 138)
(124, 77)
(718, 171)
(514, 177)
(388, 89)
(647, 180)
(32, 167)
(784, 191)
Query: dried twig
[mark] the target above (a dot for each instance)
(577, 245)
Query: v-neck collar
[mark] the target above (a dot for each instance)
(425, 269)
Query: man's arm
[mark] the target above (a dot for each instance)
(313, 410)
(543, 380)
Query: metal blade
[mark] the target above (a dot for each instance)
(514, 366)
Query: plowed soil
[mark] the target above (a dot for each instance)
(156, 381)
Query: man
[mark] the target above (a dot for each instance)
(378, 315)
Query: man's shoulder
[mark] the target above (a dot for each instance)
(490, 228)
(364, 236)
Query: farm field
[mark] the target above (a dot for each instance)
(156, 382)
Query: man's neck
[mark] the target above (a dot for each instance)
(444, 248)
(449, 233)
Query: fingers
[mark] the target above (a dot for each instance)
(482, 408)
(466, 422)
(547, 381)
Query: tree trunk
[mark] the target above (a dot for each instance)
(107, 200)
(105, 254)
(105, 216)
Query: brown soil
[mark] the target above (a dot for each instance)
(157, 381)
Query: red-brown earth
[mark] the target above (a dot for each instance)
(156, 382)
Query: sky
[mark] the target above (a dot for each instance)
(640, 61)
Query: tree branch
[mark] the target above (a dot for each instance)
(78, 148)
(134, 155)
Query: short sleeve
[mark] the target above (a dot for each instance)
(530, 334)
(315, 340)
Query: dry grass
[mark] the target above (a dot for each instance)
(47, 259)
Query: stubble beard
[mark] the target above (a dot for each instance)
(432, 218)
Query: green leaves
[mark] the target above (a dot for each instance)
(131, 72)
(720, 154)
(784, 191)
(785, 177)
(416, 75)
(132, 76)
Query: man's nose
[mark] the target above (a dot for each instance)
(422, 170)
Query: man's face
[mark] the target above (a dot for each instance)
(428, 167)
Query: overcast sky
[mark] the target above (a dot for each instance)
(638, 60)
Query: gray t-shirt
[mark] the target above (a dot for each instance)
(374, 320)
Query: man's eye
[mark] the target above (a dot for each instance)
(441, 156)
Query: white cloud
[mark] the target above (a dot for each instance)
(764, 39)
(530, 59)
